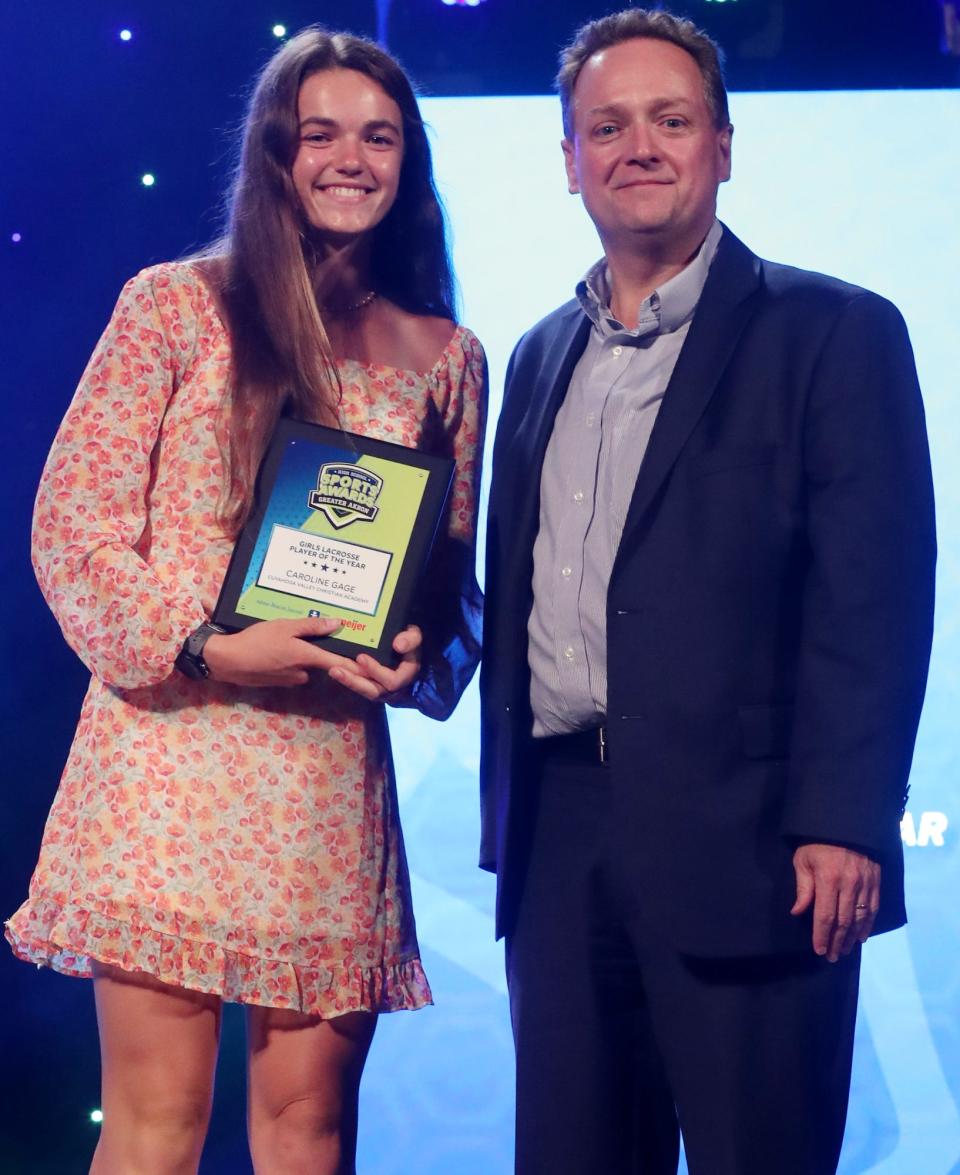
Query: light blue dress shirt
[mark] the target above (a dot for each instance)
(591, 464)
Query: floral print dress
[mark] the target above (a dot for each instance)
(238, 841)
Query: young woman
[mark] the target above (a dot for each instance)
(226, 827)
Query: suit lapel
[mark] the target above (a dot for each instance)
(556, 370)
(525, 451)
(724, 309)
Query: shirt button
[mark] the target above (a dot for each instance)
(618, 350)
(578, 496)
(589, 420)
(566, 572)
(568, 652)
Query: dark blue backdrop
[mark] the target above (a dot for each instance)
(85, 115)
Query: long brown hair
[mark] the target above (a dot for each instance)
(282, 360)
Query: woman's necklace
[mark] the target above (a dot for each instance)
(353, 307)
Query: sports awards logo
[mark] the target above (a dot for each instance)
(346, 493)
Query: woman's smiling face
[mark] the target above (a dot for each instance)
(347, 168)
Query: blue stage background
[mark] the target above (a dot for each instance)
(863, 185)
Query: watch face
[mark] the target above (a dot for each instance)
(191, 666)
(190, 661)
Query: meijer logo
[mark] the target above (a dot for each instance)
(346, 493)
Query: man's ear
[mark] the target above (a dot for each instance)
(725, 145)
(570, 164)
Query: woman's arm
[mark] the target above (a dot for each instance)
(124, 623)
(450, 612)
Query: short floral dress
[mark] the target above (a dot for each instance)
(238, 841)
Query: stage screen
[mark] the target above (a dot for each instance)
(860, 185)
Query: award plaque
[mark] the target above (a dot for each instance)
(342, 526)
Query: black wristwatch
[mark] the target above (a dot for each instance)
(190, 660)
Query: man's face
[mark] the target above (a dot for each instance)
(645, 154)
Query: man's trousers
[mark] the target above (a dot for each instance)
(620, 1038)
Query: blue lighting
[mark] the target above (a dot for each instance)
(125, 34)
(16, 238)
(148, 179)
(279, 30)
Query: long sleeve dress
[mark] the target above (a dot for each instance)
(233, 840)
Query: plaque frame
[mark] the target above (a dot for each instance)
(414, 504)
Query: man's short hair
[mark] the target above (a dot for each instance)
(633, 23)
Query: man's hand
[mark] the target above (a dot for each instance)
(376, 682)
(843, 887)
(272, 653)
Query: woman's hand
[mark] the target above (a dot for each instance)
(374, 681)
(273, 652)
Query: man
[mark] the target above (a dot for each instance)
(709, 606)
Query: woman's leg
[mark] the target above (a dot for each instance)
(304, 1080)
(158, 1048)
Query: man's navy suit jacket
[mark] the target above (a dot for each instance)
(769, 612)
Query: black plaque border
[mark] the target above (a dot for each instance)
(440, 472)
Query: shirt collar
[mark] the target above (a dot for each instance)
(667, 309)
